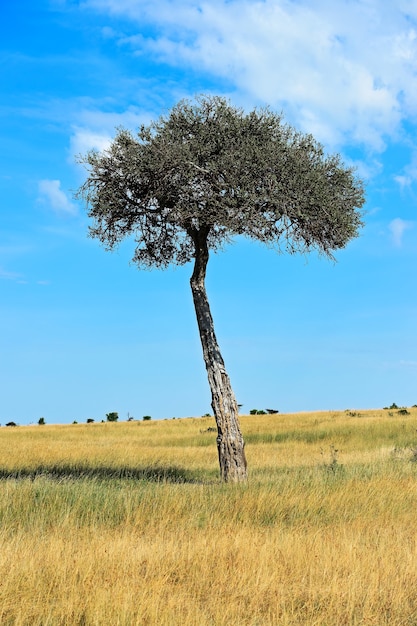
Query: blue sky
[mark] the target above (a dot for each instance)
(83, 332)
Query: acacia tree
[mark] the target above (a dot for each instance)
(188, 183)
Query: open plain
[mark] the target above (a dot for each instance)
(128, 523)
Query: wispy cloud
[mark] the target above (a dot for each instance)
(98, 128)
(85, 139)
(18, 278)
(409, 174)
(345, 71)
(50, 193)
(397, 229)
(6, 275)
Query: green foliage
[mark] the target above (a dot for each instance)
(41, 421)
(209, 171)
(253, 411)
(90, 420)
(112, 417)
(146, 418)
(401, 410)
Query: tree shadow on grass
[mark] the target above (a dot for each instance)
(170, 474)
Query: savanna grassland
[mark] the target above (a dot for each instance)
(125, 524)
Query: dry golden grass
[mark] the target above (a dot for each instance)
(127, 524)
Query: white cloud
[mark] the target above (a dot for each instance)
(84, 139)
(98, 129)
(366, 169)
(403, 181)
(346, 70)
(397, 228)
(50, 193)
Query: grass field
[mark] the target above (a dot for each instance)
(125, 524)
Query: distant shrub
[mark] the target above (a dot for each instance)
(90, 420)
(112, 417)
(253, 411)
(41, 421)
(75, 422)
(146, 418)
(261, 412)
(401, 410)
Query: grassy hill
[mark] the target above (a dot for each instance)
(127, 523)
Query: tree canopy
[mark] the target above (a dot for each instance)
(209, 166)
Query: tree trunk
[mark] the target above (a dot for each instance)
(230, 444)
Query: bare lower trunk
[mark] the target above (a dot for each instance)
(230, 444)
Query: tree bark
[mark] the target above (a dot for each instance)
(230, 444)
